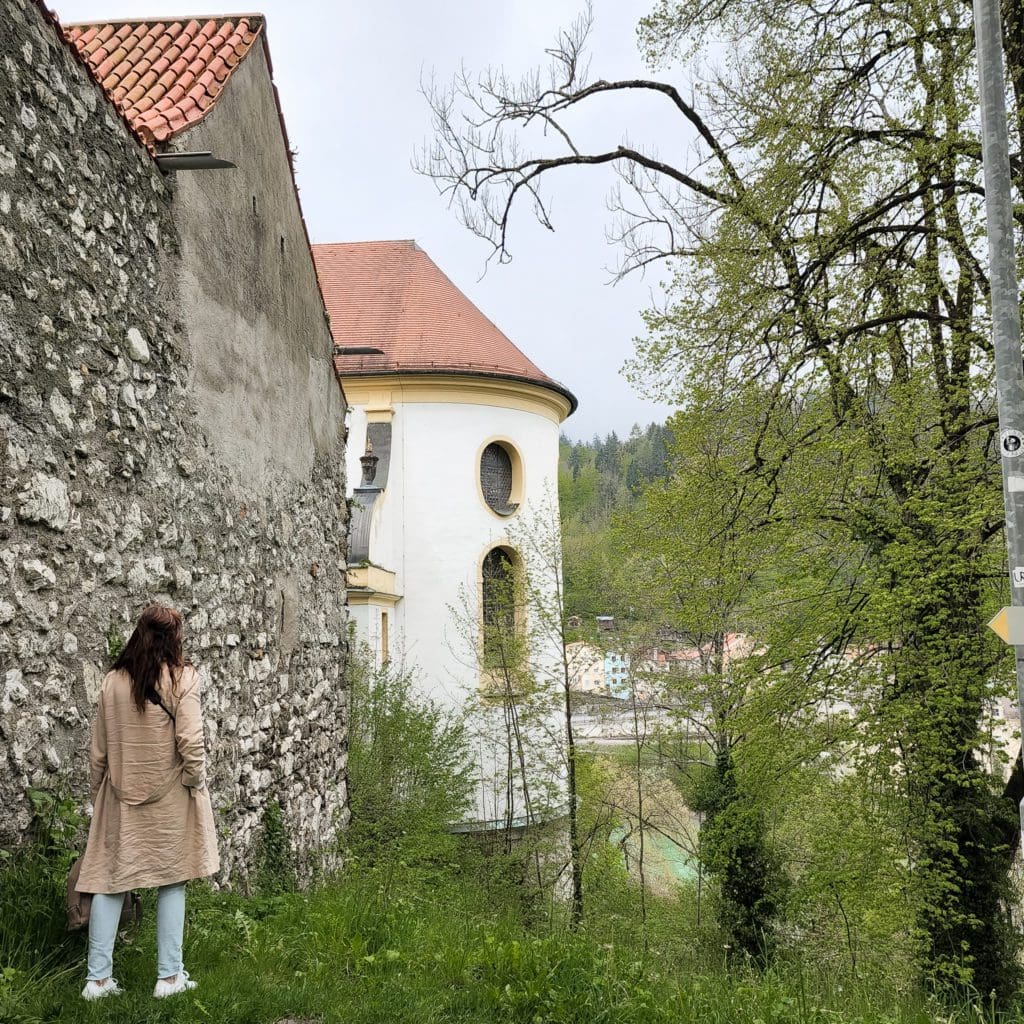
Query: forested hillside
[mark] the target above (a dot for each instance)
(598, 479)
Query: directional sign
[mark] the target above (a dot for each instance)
(1008, 624)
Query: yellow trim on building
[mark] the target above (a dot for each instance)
(381, 394)
(371, 577)
(369, 584)
(373, 599)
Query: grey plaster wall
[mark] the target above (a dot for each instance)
(168, 428)
(259, 340)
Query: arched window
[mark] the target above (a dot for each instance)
(499, 596)
(500, 475)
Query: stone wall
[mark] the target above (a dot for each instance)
(120, 478)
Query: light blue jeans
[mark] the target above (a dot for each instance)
(170, 926)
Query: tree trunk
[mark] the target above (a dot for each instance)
(1013, 44)
(575, 855)
(962, 822)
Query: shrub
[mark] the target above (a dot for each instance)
(33, 878)
(409, 775)
(274, 862)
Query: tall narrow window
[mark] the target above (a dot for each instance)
(500, 635)
(384, 639)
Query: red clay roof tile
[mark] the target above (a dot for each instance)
(392, 296)
(108, 65)
(164, 76)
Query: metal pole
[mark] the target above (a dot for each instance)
(995, 147)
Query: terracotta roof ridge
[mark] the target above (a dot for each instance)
(135, 119)
(374, 241)
(91, 22)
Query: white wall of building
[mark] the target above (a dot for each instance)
(368, 628)
(432, 530)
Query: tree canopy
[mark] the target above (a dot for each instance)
(828, 279)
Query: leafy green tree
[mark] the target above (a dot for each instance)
(703, 583)
(518, 638)
(826, 245)
(589, 496)
(575, 461)
(634, 481)
(736, 850)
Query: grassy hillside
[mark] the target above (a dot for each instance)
(448, 943)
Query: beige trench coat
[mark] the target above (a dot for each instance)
(152, 821)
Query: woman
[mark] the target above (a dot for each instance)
(152, 823)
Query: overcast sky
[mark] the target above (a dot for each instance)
(348, 75)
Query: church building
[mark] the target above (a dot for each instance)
(452, 452)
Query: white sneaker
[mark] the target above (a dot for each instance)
(94, 990)
(181, 983)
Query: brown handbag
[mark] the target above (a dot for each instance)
(80, 903)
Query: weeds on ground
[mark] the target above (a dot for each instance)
(416, 943)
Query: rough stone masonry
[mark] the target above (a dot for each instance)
(121, 477)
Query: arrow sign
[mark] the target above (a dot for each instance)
(1008, 624)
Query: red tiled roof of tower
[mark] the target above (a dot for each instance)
(392, 296)
(164, 76)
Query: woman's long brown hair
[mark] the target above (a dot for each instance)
(155, 642)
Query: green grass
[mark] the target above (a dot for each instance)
(398, 944)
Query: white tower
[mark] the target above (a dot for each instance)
(453, 448)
